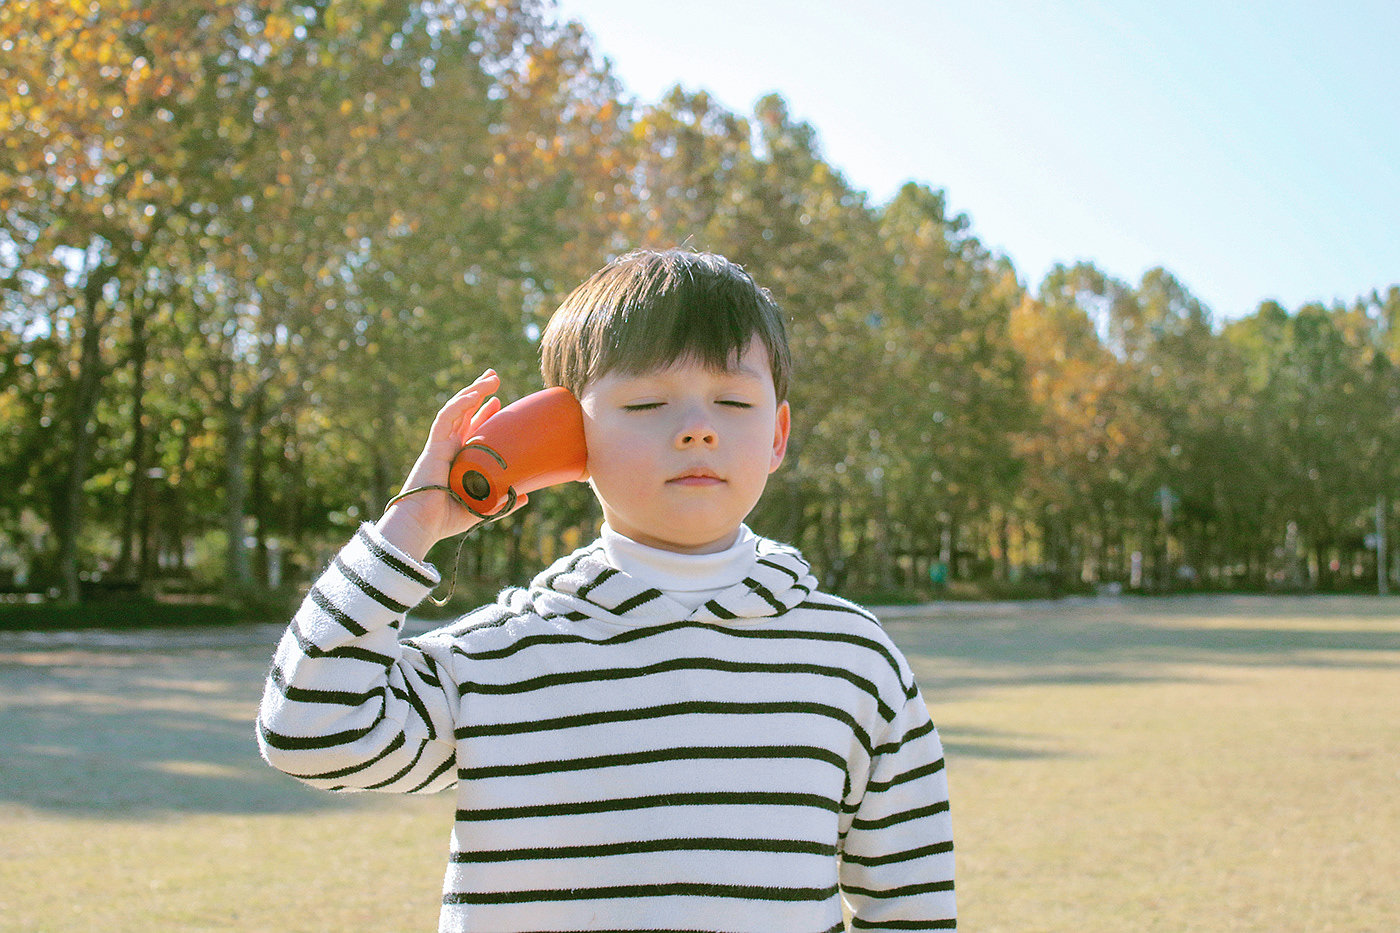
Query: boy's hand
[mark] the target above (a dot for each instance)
(419, 521)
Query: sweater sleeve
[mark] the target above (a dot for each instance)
(347, 706)
(897, 857)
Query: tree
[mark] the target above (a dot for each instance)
(1087, 491)
(947, 334)
(86, 189)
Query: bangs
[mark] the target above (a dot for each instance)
(649, 311)
(650, 331)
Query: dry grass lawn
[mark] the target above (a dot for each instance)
(1207, 764)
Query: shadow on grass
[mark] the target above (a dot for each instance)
(143, 723)
(140, 724)
(1127, 640)
(964, 743)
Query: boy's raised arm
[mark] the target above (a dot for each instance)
(346, 704)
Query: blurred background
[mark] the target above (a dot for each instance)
(248, 248)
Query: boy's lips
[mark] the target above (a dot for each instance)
(696, 476)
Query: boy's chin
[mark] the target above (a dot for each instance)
(701, 542)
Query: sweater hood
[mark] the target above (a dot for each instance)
(585, 585)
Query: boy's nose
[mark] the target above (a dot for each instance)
(703, 437)
(696, 430)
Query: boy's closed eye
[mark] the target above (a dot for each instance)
(649, 406)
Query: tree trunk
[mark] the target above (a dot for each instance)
(1002, 572)
(137, 500)
(259, 493)
(68, 522)
(237, 573)
(884, 559)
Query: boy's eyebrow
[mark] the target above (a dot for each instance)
(748, 372)
(741, 367)
(744, 373)
(756, 373)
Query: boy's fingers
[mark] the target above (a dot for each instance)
(465, 419)
(458, 411)
(461, 406)
(492, 406)
(481, 386)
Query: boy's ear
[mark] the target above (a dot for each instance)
(781, 428)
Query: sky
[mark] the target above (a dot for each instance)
(1251, 148)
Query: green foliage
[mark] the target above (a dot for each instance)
(246, 250)
(122, 614)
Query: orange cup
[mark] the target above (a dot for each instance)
(533, 442)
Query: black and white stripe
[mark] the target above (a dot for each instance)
(739, 767)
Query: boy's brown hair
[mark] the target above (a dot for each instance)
(649, 309)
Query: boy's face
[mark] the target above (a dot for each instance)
(679, 456)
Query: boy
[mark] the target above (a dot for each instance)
(671, 728)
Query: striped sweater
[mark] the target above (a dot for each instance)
(623, 763)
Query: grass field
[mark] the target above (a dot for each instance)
(1208, 763)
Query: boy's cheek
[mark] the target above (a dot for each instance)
(593, 441)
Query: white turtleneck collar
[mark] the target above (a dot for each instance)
(688, 579)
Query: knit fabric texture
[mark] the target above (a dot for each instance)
(622, 762)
